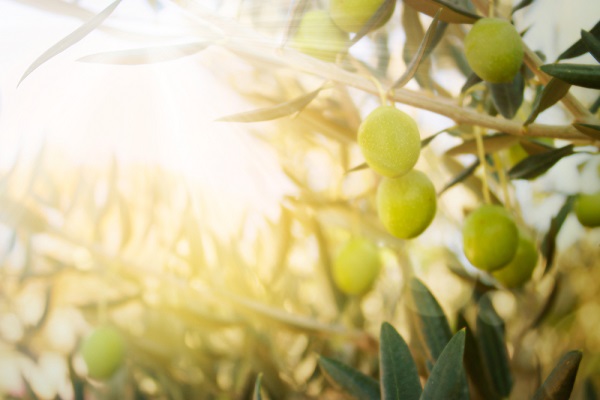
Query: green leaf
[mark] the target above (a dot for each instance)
(578, 48)
(256, 395)
(559, 384)
(354, 382)
(589, 391)
(592, 43)
(399, 376)
(555, 90)
(450, 13)
(595, 106)
(490, 335)
(464, 174)
(507, 97)
(382, 12)
(522, 4)
(537, 164)
(472, 80)
(425, 46)
(576, 74)
(148, 55)
(548, 246)
(274, 112)
(71, 39)
(445, 380)
(592, 131)
(491, 144)
(359, 167)
(433, 323)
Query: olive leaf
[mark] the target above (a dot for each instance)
(554, 90)
(559, 384)
(445, 381)
(576, 74)
(592, 43)
(274, 112)
(590, 130)
(256, 394)
(297, 9)
(578, 48)
(595, 106)
(398, 371)
(548, 246)
(508, 97)
(382, 12)
(472, 80)
(537, 164)
(464, 174)
(148, 55)
(450, 13)
(71, 39)
(361, 386)
(422, 52)
(491, 144)
(589, 391)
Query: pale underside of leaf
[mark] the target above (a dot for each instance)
(148, 55)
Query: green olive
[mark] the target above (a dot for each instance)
(103, 352)
(389, 140)
(319, 37)
(406, 205)
(494, 50)
(352, 15)
(490, 237)
(519, 270)
(587, 209)
(356, 267)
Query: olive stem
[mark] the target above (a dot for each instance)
(481, 155)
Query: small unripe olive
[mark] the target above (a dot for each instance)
(587, 209)
(356, 267)
(519, 270)
(494, 50)
(352, 15)
(406, 205)
(490, 237)
(103, 352)
(319, 37)
(389, 140)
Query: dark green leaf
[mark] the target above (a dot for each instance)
(589, 391)
(578, 48)
(535, 165)
(445, 381)
(398, 371)
(555, 90)
(424, 47)
(275, 112)
(491, 144)
(450, 13)
(385, 9)
(522, 4)
(576, 74)
(433, 323)
(559, 384)
(464, 174)
(533, 146)
(507, 97)
(592, 131)
(548, 246)
(148, 55)
(472, 80)
(354, 382)
(596, 106)
(256, 395)
(490, 335)
(592, 43)
(71, 39)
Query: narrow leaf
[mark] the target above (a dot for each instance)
(399, 376)
(464, 174)
(490, 335)
(354, 382)
(578, 48)
(71, 39)
(445, 381)
(425, 142)
(425, 45)
(548, 246)
(507, 97)
(385, 9)
(589, 391)
(358, 168)
(559, 384)
(576, 74)
(592, 43)
(450, 13)
(433, 323)
(296, 11)
(595, 106)
(555, 90)
(148, 55)
(521, 5)
(274, 112)
(491, 144)
(592, 131)
(472, 80)
(256, 395)
(537, 164)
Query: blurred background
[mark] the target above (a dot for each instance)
(124, 201)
